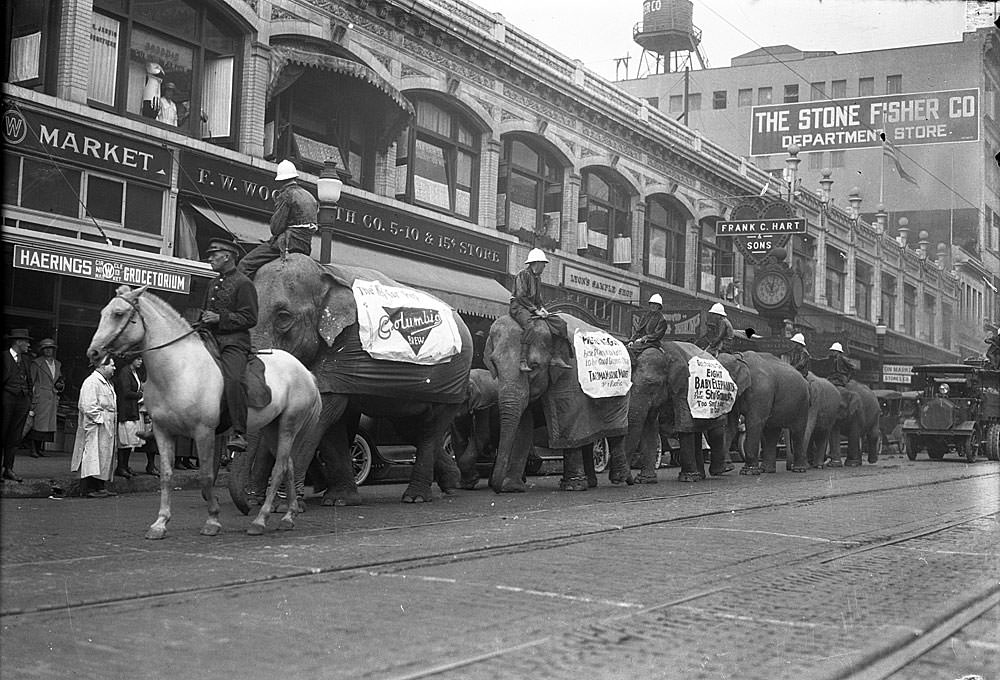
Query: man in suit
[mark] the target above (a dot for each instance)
(16, 397)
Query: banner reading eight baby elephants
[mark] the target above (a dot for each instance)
(602, 364)
(711, 391)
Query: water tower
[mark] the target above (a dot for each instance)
(668, 37)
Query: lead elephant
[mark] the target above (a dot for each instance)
(828, 405)
(861, 430)
(777, 398)
(658, 400)
(309, 310)
(573, 419)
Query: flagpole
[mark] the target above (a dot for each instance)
(881, 178)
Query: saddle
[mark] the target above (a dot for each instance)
(258, 391)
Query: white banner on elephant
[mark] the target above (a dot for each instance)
(603, 366)
(403, 324)
(711, 390)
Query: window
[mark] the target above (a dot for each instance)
(665, 229)
(694, 102)
(138, 47)
(530, 192)
(715, 260)
(894, 84)
(946, 322)
(817, 91)
(837, 159)
(866, 87)
(437, 160)
(29, 35)
(863, 290)
(763, 95)
(676, 103)
(744, 97)
(836, 269)
(654, 102)
(606, 208)
(791, 94)
(719, 99)
(815, 160)
(889, 300)
(838, 89)
(803, 264)
(910, 310)
(930, 311)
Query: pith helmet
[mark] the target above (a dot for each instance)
(717, 308)
(286, 170)
(536, 255)
(655, 297)
(835, 347)
(799, 339)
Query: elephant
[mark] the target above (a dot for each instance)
(773, 401)
(828, 405)
(573, 419)
(476, 428)
(309, 310)
(657, 401)
(861, 429)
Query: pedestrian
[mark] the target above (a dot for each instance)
(47, 384)
(719, 332)
(840, 366)
(652, 328)
(799, 356)
(526, 308)
(128, 387)
(229, 312)
(16, 397)
(94, 450)
(293, 223)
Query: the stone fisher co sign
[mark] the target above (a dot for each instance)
(100, 268)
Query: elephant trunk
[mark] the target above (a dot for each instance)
(512, 406)
(239, 473)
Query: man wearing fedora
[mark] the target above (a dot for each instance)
(16, 397)
(229, 312)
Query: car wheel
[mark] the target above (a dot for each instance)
(970, 447)
(993, 442)
(361, 458)
(909, 446)
(659, 452)
(602, 455)
(447, 444)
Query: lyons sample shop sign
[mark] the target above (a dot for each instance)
(829, 125)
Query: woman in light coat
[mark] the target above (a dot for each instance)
(94, 451)
(47, 383)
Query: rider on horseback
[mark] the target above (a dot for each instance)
(230, 311)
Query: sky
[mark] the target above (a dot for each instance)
(599, 31)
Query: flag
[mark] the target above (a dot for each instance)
(892, 152)
(763, 190)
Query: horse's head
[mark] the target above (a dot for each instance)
(121, 326)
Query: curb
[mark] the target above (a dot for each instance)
(70, 486)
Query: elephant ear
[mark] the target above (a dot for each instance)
(337, 310)
(738, 371)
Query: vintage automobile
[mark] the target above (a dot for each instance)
(958, 409)
(896, 408)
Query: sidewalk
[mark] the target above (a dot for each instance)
(44, 475)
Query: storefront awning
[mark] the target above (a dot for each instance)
(245, 230)
(465, 292)
(399, 110)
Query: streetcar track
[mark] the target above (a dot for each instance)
(513, 548)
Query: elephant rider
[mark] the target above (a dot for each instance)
(526, 308)
(840, 366)
(718, 331)
(993, 351)
(799, 356)
(652, 328)
(293, 223)
(230, 311)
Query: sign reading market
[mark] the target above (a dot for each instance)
(831, 125)
(98, 268)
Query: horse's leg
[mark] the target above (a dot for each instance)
(285, 440)
(204, 440)
(259, 523)
(166, 444)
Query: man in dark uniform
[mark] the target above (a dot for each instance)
(719, 333)
(840, 366)
(526, 308)
(993, 349)
(799, 356)
(230, 311)
(16, 397)
(652, 328)
(292, 224)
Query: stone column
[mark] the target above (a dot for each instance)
(691, 270)
(819, 275)
(489, 168)
(571, 206)
(253, 98)
(850, 283)
(73, 51)
(638, 236)
(877, 282)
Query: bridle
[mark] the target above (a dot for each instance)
(136, 312)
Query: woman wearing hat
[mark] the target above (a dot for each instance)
(16, 397)
(94, 450)
(47, 384)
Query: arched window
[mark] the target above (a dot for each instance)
(715, 260)
(437, 160)
(529, 193)
(665, 227)
(606, 211)
(137, 47)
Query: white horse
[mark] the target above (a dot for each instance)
(183, 393)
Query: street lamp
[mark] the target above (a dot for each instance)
(825, 186)
(854, 198)
(880, 329)
(881, 219)
(328, 187)
(792, 169)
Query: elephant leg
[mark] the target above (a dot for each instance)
(574, 478)
(853, 448)
(335, 452)
(717, 440)
(649, 431)
(751, 446)
(619, 469)
(817, 447)
(431, 462)
(691, 471)
(796, 454)
(769, 449)
(446, 471)
(513, 472)
(469, 436)
(587, 451)
(833, 447)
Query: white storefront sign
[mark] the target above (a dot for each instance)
(898, 374)
(598, 284)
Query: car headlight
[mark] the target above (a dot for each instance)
(943, 389)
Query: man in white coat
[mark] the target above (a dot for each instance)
(94, 450)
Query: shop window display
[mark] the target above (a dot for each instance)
(529, 193)
(665, 226)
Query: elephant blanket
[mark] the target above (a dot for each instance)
(348, 369)
(679, 418)
(573, 418)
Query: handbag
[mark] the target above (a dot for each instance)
(29, 423)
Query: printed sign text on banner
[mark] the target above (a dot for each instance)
(711, 391)
(602, 364)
